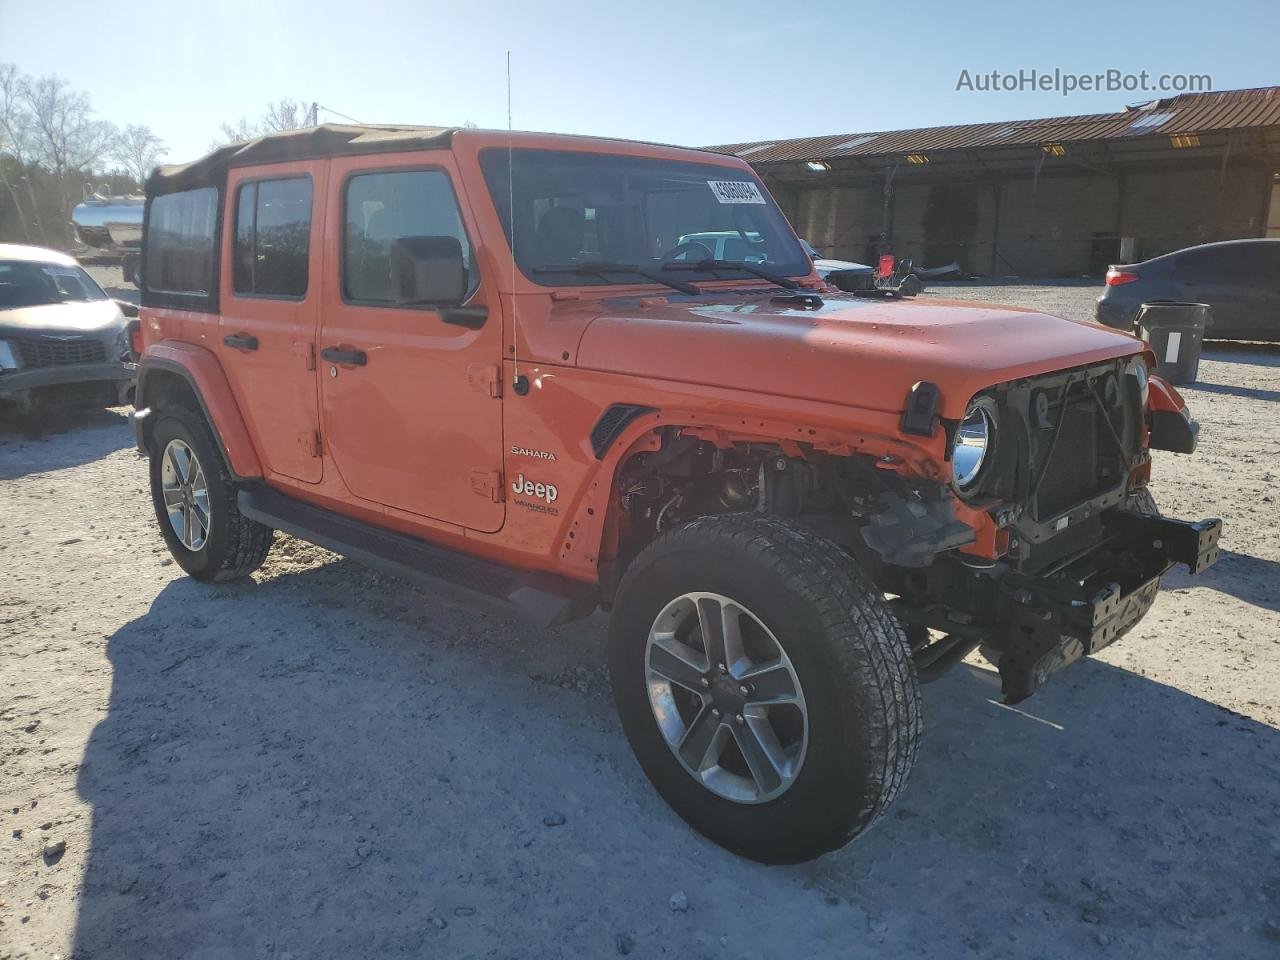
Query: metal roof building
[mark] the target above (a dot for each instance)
(1058, 196)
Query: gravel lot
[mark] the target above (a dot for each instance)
(324, 762)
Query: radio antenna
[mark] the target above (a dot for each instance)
(518, 383)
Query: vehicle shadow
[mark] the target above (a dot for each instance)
(1231, 351)
(94, 433)
(317, 767)
(1252, 579)
(1093, 815)
(1231, 390)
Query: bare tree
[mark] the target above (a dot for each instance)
(284, 115)
(50, 143)
(234, 133)
(138, 150)
(278, 117)
(15, 142)
(67, 137)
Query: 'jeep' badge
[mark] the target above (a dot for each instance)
(546, 492)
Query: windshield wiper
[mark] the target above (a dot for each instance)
(595, 268)
(711, 266)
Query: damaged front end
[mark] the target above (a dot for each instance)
(1076, 548)
(1040, 622)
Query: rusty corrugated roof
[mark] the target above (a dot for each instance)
(1185, 113)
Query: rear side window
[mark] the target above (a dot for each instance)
(272, 238)
(380, 208)
(1246, 264)
(1207, 264)
(181, 233)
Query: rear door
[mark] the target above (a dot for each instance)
(1232, 280)
(270, 310)
(411, 410)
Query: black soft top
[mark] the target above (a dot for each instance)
(326, 140)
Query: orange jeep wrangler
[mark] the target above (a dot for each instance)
(507, 366)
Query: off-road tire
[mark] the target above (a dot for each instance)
(129, 267)
(235, 545)
(849, 653)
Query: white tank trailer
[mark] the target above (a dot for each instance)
(112, 224)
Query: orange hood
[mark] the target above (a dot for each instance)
(857, 352)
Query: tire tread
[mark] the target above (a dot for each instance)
(248, 542)
(867, 638)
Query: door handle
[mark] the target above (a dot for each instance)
(241, 341)
(338, 355)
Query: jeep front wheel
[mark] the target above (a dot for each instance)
(195, 495)
(764, 685)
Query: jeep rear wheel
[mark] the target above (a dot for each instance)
(764, 685)
(195, 501)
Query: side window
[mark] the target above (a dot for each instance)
(380, 208)
(1255, 264)
(1244, 264)
(1271, 264)
(180, 242)
(272, 238)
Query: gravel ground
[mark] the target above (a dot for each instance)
(323, 762)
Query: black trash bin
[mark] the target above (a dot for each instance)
(1175, 332)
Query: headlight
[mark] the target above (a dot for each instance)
(974, 439)
(1138, 370)
(7, 360)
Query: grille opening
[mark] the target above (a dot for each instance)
(59, 353)
(1086, 461)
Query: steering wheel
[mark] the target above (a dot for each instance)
(698, 249)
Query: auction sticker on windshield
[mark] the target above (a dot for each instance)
(736, 191)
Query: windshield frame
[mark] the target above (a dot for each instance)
(492, 161)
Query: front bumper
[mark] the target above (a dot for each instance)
(1091, 603)
(15, 384)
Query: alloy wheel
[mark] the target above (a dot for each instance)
(186, 495)
(726, 697)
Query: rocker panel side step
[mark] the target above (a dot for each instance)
(543, 598)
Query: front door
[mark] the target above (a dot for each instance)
(269, 309)
(410, 404)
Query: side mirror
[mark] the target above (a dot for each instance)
(127, 308)
(428, 271)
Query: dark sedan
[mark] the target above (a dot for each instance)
(1238, 279)
(63, 341)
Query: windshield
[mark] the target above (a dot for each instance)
(574, 209)
(27, 284)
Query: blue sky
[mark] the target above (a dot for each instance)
(679, 72)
